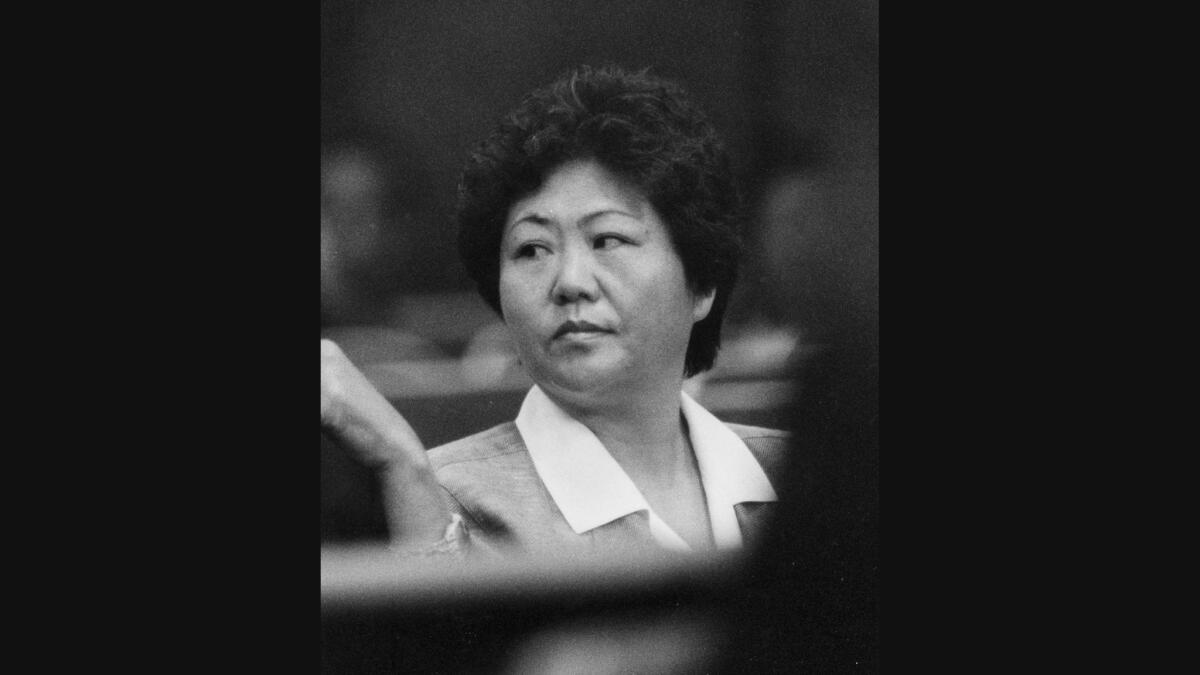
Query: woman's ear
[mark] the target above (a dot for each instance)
(702, 304)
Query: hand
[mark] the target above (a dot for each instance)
(366, 424)
(354, 412)
(346, 394)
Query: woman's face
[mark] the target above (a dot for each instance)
(592, 290)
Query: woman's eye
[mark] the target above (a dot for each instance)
(529, 251)
(607, 241)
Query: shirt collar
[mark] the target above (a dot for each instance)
(591, 489)
(728, 471)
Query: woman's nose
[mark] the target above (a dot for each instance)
(575, 280)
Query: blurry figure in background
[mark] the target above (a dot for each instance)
(369, 200)
(785, 202)
(371, 195)
(601, 222)
(791, 205)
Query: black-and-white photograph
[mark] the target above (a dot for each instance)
(599, 336)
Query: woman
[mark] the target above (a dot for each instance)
(600, 221)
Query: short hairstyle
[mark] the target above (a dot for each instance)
(642, 128)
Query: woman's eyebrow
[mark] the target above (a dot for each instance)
(604, 212)
(545, 221)
(533, 218)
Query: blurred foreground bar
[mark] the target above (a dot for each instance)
(382, 614)
(369, 577)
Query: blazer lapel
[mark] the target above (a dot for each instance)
(627, 534)
(752, 519)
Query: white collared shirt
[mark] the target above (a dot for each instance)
(591, 488)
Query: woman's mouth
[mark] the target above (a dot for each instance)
(579, 329)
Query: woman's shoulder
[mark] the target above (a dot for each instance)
(492, 481)
(762, 440)
(769, 446)
(499, 441)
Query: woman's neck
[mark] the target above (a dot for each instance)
(644, 432)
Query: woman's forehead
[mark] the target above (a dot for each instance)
(576, 191)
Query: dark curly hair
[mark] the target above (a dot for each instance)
(638, 126)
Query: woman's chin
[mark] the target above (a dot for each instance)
(583, 377)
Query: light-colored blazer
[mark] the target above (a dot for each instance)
(491, 482)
